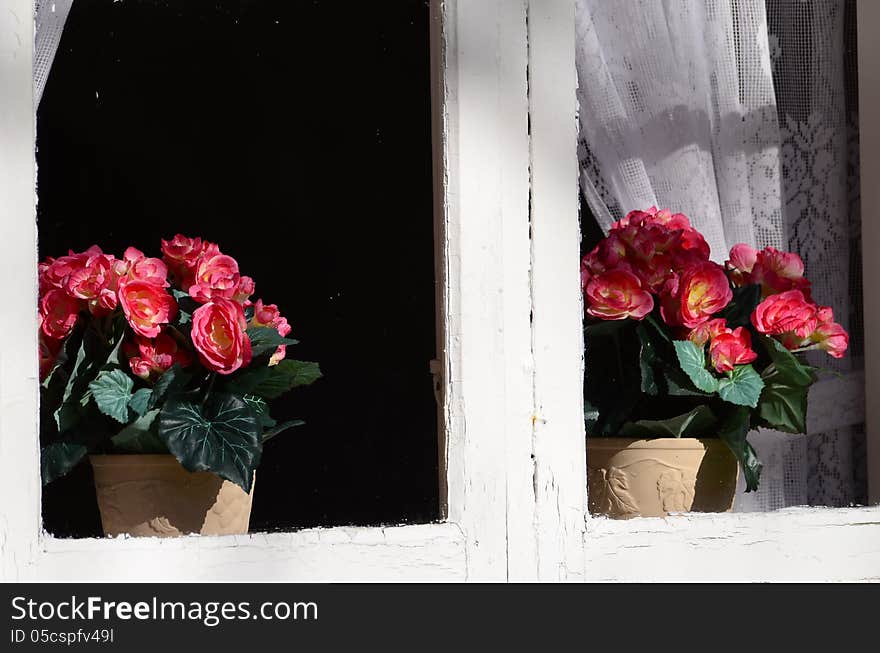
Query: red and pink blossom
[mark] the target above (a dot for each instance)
(731, 348)
(617, 295)
(149, 358)
(692, 298)
(786, 312)
(147, 307)
(58, 314)
(219, 336)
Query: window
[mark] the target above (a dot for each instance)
(511, 364)
(751, 128)
(316, 178)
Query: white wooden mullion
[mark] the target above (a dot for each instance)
(559, 438)
(19, 455)
(489, 394)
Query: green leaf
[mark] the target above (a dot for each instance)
(742, 386)
(739, 311)
(785, 364)
(606, 327)
(68, 412)
(733, 430)
(223, 436)
(693, 424)
(172, 381)
(693, 362)
(59, 458)
(266, 339)
(261, 408)
(271, 433)
(112, 392)
(139, 401)
(783, 406)
(288, 374)
(140, 436)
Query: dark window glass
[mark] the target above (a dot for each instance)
(297, 135)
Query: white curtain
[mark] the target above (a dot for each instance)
(50, 16)
(734, 112)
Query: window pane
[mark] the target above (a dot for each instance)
(298, 137)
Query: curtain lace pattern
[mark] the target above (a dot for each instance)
(742, 115)
(50, 16)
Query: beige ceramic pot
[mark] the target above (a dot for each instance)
(154, 496)
(652, 478)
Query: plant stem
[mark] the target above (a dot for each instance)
(211, 380)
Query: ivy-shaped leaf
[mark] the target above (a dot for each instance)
(695, 423)
(786, 364)
(733, 430)
(285, 376)
(59, 458)
(266, 339)
(692, 360)
(742, 386)
(261, 408)
(112, 392)
(783, 406)
(173, 380)
(140, 436)
(606, 327)
(222, 436)
(139, 401)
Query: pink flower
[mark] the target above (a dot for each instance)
(830, 336)
(651, 244)
(138, 267)
(150, 358)
(244, 290)
(701, 291)
(617, 295)
(268, 315)
(92, 278)
(827, 336)
(774, 270)
(58, 314)
(218, 333)
(786, 312)
(705, 332)
(181, 255)
(147, 307)
(732, 348)
(56, 272)
(216, 276)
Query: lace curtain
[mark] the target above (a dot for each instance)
(49, 16)
(741, 114)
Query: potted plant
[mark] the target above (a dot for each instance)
(684, 357)
(162, 370)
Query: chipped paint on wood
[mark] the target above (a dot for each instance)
(559, 473)
(797, 544)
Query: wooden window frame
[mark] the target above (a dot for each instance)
(509, 371)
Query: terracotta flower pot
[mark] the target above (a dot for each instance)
(652, 478)
(154, 496)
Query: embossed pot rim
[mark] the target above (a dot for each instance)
(601, 442)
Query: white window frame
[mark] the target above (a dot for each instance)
(510, 375)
